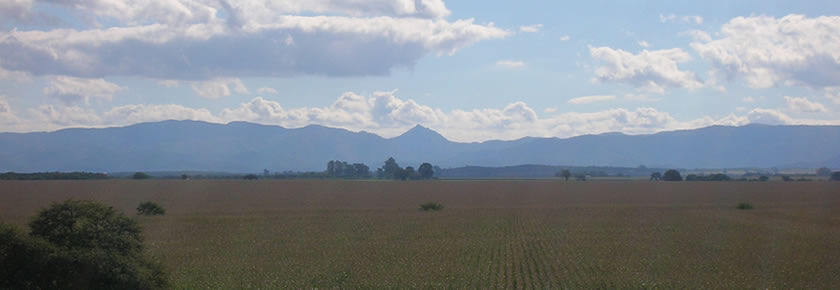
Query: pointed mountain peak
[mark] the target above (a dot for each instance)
(421, 132)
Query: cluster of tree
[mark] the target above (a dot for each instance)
(341, 169)
(77, 245)
(670, 175)
(835, 176)
(710, 177)
(392, 170)
(52, 176)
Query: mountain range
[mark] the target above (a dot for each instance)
(249, 147)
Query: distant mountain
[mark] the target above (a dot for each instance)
(248, 147)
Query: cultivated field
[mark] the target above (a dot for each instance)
(492, 234)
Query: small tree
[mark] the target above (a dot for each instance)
(763, 178)
(426, 171)
(566, 174)
(140, 175)
(656, 176)
(835, 176)
(185, 176)
(431, 206)
(77, 245)
(672, 175)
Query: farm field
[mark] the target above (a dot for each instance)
(492, 234)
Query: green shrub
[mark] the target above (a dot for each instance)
(431, 206)
(150, 208)
(140, 175)
(77, 245)
(744, 205)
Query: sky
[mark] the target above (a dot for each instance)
(471, 70)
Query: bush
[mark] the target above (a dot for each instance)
(140, 175)
(77, 245)
(431, 206)
(150, 208)
(744, 205)
(835, 176)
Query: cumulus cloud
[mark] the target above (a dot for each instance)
(650, 70)
(803, 105)
(767, 51)
(200, 40)
(590, 99)
(673, 18)
(833, 94)
(530, 28)
(386, 114)
(266, 91)
(510, 63)
(216, 88)
(70, 90)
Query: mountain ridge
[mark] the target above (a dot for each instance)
(250, 147)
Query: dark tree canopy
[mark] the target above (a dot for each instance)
(672, 175)
(426, 170)
(140, 175)
(392, 170)
(77, 245)
(341, 169)
(835, 176)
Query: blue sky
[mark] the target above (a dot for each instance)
(494, 70)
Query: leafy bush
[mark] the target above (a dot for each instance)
(150, 208)
(744, 205)
(431, 206)
(77, 245)
(140, 175)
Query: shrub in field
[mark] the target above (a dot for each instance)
(140, 175)
(150, 208)
(77, 245)
(431, 206)
(744, 205)
(763, 178)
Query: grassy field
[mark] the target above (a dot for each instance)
(492, 234)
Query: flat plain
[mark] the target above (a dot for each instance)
(492, 234)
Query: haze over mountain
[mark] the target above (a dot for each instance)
(249, 147)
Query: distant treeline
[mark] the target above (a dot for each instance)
(545, 171)
(53, 176)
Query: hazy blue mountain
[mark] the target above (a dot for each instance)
(247, 147)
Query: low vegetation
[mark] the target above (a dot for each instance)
(53, 176)
(150, 208)
(77, 245)
(431, 206)
(744, 205)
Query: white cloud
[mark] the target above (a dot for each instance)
(385, 114)
(590, 99)
(169, 83)
(768, 51)
(651, 71)
(644, 44)
(803, 105)
(564, 38)
(510, 63)
(72, 90)
(13, 75)
(833, 94)
(266, 91)
(672, 18)
(640, 98)
(530, 28)
(201, 40)
(216, 88)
